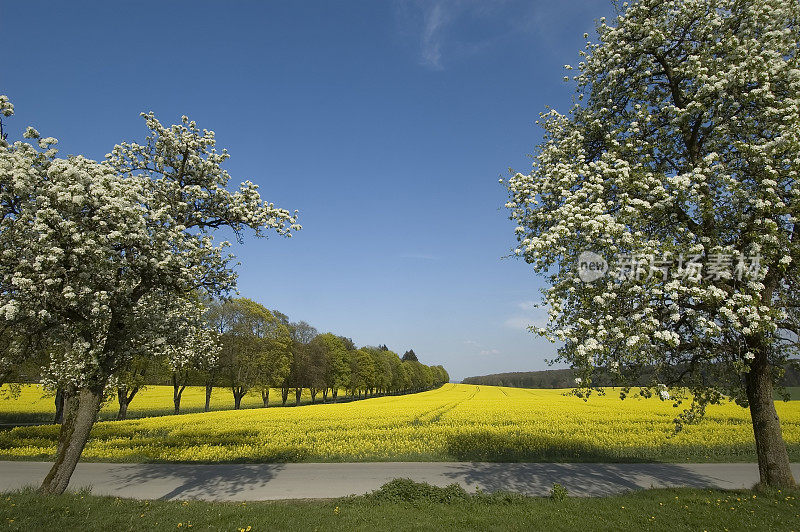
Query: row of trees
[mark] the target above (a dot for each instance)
(259, 350)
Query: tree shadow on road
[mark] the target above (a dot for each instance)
(542, 461)
(187, 481)
(585, 479)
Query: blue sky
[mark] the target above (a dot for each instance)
(386, 124)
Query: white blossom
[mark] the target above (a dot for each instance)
(678, 102)
(104, 260)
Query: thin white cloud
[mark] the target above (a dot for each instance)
(431, 45)
(446, 31)
(437, 24)
(484, 350)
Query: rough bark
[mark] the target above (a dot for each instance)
(265, 397)
(238, 393)
(59, 417)
(324, 395)
(773, 459)
(297, 393)
(209, 389)
(122, 414)
(176, 400)
(80, 411)
(178, 385)
(284, 394)
(124, 399)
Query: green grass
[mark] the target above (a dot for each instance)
(402, 505)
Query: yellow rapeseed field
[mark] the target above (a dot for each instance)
(455, 422)
(36, 404)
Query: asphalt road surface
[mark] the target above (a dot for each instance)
(249, 482)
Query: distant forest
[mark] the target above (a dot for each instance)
(565, 378)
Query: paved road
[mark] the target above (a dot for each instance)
(239, 482)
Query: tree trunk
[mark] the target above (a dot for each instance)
(297, 393)
(80, 410)
(265, 397)
(284, 394)
(334, 393)
(178, 385)
(59, 417)
(773, 460)
(209, 389)
(237, 400)
(124, 400)
(122, 414)
(176, 399)
(313, 392)
(324, 394)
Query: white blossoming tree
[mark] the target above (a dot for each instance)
(104, 260)
(678, 164)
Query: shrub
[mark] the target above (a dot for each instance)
(558, 492)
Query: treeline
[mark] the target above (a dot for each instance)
(565, 378)
(259, 350)
(552, 378)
